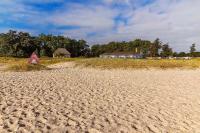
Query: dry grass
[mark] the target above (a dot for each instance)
(130, 63)
(21, 64)
(43, 61)
(26, 67)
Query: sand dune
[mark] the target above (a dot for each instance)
(92, 100)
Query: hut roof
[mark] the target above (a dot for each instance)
(61, 51)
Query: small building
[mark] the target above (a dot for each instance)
(154, 58)
(61, 52)
(183, 58)
(123, 55)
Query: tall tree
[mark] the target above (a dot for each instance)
(22, 44)
(166, 51)
(192, 49)
(155, 47)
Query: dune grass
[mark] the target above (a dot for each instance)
(26, 67)
(139, 63)
(21, 64)
(44, 61)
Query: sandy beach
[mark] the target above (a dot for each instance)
(92, 100)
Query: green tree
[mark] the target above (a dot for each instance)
(182, 54)
(192, 49)
(96, 50)
(155, 47)
(166, 51)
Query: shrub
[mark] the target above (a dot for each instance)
(27, 67)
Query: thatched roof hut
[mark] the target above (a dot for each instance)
(61, 52)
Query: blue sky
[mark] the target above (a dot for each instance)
(101, 21)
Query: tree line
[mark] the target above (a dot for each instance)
(147, 48)
(22, 44)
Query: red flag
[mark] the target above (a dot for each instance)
(33, 59)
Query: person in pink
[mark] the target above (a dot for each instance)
(33, 59)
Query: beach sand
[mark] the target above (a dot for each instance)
(91, 100)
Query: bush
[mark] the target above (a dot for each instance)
(27, 67)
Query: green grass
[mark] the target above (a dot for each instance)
(140, 63)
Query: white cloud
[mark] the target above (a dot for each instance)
(90, 19)
(97, 17)
(173, 21)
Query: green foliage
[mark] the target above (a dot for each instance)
(182, 54)
(50, 43)
(192, 50)
(154, 48)
(195, 54)
(137, 46)
(21, 44)
(166, 51)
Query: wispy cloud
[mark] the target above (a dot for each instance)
(97, 17)
(173, 21)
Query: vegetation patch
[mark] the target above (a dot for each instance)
(49, 61)
(26, 67)
(140, 63)
(21, 64)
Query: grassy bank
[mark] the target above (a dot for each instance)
(130, 63)
(43, 61)
(26, 67)
(21, 64)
